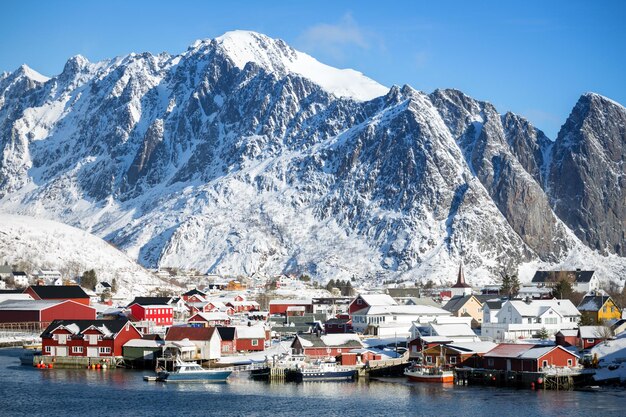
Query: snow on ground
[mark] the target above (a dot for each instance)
(276, 349)
(45, 244)
(612, 356)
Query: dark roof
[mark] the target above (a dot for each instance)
(494, 304)
(226, 333)
(113, 325)
(152, 336)
(592, 302)
(18, 291)
(457, 302)
(337, 321)
(145, 301)
(191, 333)
(194, 292)
(105, 284)
(554, 276)
(49, 292)
(19, 273)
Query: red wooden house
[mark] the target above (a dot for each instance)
(58, 293)
(589, 336)
(194, 295)
(209, 319)
(38, 311)
(229, 338)
(250, 338)
(153, 309)
(338, 325)
(528, 358)
(567, 338)
(329, 345)
(281, 306)
(88, 338)
(368, 300)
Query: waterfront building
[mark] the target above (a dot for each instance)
(40, 313)
(528, 358)
(58, 293)
(87, 338)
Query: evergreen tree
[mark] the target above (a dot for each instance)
(562, 289)
(510, 284)
(89, 279)
(331, 284)
(543, 334)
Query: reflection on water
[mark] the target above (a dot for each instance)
(30, 391)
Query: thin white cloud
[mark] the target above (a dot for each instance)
(335, 40)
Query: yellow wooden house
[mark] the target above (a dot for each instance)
(597, 309)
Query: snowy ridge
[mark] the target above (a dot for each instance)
(202, 160)
(278, 57)
(44, 244)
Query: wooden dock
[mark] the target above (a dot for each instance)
(518, 379)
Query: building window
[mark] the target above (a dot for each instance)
(544, 364)
(77, 349)
(490, 362)
(48, 349)
(452, 360)
(359, 301)
(569, 362)
(255, 342)
(590, 340)
(104, 350)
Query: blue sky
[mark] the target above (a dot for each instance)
(534, 58)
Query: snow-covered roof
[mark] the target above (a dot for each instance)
(339, 338)
(144, 343)
(212, 316)
(453, 330)
(473, 347)
(535, 308)
(378, 299)
(27, 305)
(290, 302)
(591, 332)
(417, 310)
(250, 332)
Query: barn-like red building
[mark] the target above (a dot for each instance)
(281, 306)
(528, 358)
(40, 311)
(329, 345)
(89, 338)
(157, 310)
(58, 293)
(250, 338)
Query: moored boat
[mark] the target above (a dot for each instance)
(192, 372)
(320, 371)
(27, 358)
(424, 373)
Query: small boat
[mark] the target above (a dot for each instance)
(425, 373)
(320, 371)
(192, 372)
(284, 362)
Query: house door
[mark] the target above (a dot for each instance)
(508, 364)
(61, 351)
(92, 352)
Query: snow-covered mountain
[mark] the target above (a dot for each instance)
(45, 244)
(242, 154)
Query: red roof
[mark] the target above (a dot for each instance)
(191, 333)
(508, 350)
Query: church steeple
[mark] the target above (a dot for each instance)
(460, 281)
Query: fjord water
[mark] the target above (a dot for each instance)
(29, 391)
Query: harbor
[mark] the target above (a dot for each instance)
(127, 394)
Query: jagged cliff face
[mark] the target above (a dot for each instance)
(243, 155)
(587, 178)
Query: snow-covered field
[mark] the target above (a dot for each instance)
(612, 355)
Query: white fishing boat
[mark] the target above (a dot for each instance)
(192, 372)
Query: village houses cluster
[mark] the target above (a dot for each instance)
(455, 326)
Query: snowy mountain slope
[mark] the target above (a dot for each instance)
(238, 156)
(44, 244)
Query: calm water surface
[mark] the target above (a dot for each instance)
(29, 391)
